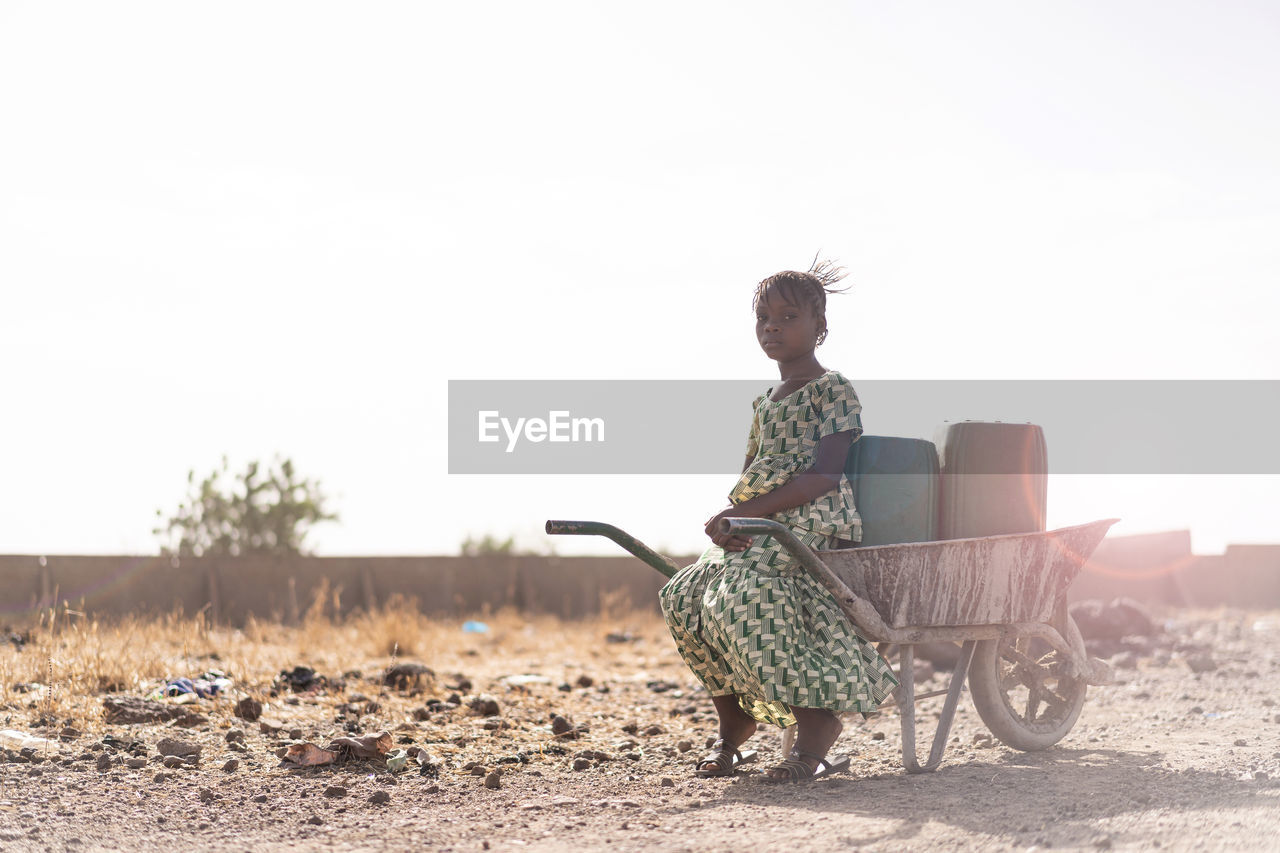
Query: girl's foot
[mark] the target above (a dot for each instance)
(818, 730)
(736, 728)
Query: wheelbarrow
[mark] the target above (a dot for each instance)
(1003, 598)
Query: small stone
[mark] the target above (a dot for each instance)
(484, 706)
(581, 764)
(1201, 662)
(684, 745)
(136, 763)
(432, 789)
(1240, 742)
(493, 781)
(1102, 843)
(161, 777)
(315, 820)
(877, 735)
(172, 746)
(259, 798)
(655, 729)
(585, 681)
(479, 770)
(104, 762)
(667, 782)
(206, 795)
(173, 762)
(231, 765)
(235, 735)
(249, 709)
(295, 734)
(379, 798)
(560, 725)
(335, 791)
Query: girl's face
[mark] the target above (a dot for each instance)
(786, 331)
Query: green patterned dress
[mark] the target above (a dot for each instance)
(753, 623)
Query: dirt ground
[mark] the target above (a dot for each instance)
(1165, 757)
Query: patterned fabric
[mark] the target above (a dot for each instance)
(784, 437)
(753, 623)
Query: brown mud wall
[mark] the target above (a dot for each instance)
(1156, 568)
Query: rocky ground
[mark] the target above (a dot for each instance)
(545, 736)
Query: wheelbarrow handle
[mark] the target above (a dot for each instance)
(857, 608)
(626, 540)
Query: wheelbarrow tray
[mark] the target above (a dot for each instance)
(988, 580)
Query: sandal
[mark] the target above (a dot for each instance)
(723, 761)
(798, 770)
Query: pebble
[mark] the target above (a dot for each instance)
(655, 729)
(667, 782)
(1240, 742)
(581, 764)
(260, 798)
(104, 762)
(231, 765)
(877, 735)
(560, 726)
(315, 820)
(172, 746)
(684, 745)
(206, 795)
(1201, 662)
(432, 789)
(173, 762)
(335, 791)
(136, 763)
(379, 798)
(493, 781)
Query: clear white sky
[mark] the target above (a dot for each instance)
(250, 228)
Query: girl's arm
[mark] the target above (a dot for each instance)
(822, 477)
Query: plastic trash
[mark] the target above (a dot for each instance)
(396, 760)
(473, 627)
(16, 740)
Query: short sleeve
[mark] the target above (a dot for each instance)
(753, 439)
(836, 407)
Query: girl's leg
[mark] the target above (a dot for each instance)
(736, 728)
(817, 730)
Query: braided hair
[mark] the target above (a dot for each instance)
(809, 289)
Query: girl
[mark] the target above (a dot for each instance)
(767, 641)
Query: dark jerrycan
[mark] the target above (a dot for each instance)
(994, 477)
(895, 488)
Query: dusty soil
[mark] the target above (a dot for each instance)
(1164, 758)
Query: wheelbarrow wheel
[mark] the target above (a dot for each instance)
(1024, 692)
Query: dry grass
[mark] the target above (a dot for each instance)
(72, 659)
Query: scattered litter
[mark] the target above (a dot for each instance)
(339, 750)
(212, 683)
(18, 741)
(473, 627)
(397, 759)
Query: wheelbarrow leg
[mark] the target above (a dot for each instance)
(906, 706)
